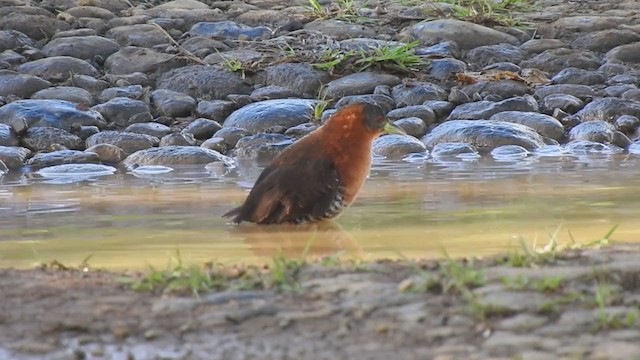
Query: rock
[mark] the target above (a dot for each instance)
(151, 128)
(522, 322)
(503, 88)
(140, 35)
(302, 79)
(615, 350)
(229, 30)
(340, 30)
(301, 130)
(587, 23)
(555, 60)
(441, 108)
(385, 102)
(271, 92)
(7, 136)
(510, 153)
(506, 342)
(132, 59)
(627, 123)
(128, 142)
(131, 91)
(618, 90)
(231, 135)
(67, 93)
(454, 149)
(37, 26)
(413, 126)
(443, 69)
(544, 125)
(482, 56)
(203, 82)
(579, 76)
(202, 128)
(62, 157)
(171, 103)
(176, 155)
(11, 40)
(582, 92)
(120, 110)
(216, 110)
(511, 301)
(629, 53)
(14, 156)
(89, 11)
(503, 66)
(42, 138)
(262, 147)
(84, 131)
(536, 46)
(202, 46)
(58, 68)
(13, 83)
(416, 93)
(633, 95)
(61, 114)
(107, 153)
(178, 139)
(582, 147)
(397, 146)
(565, 102)
(483, 135)
(358, 84)
(89, 83)
(263, 115)
(125, 81)
(485, 109)
(605, 40)
(81, 171)
(599, 131)
(465, 34)
(114, 6)
(608, 109)
(216, 144)
(420, 111)
(81, 47)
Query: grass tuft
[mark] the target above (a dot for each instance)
(401, 58)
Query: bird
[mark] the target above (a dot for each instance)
(320, 175)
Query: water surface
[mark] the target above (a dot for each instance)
(413, 209)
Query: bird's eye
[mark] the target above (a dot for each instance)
(380, 120)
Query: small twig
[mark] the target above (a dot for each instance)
(182, 50)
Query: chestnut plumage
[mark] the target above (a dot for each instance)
(320, 175)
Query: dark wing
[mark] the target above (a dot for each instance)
(301, 190)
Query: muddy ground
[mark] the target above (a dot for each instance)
(575, 304)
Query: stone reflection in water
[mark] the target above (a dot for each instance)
(315, 240)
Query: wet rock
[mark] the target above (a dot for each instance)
(89, 83)
(42, 138)
(358, 84)
(216, 144)
(443, 69)
(599, 131)
(420, 111)
(301, 130)
(618, 90)
(231, 135)
(627, 124)
(217, 110)
(484, 135)
(416, 93)
(203, 82)
(503, 88)
(171, 103)
(578, 76)
(603, 41)
(129, 142)
(76, 170)
(7, 136)
(413, 126)
(384, 101)
(107, 153)
(120, 110)
(300, 78)
(544, 125)
(11, 40)
(13, 156)
(151, 128)
(126, 80)
(465, 34)
(81, 47)
(140, 35)
(567, 103)
(263, 115)
(555, 60)
(178, 139)
(132, 91)
(453, 149)
(58, 68)
(262, 147)
(229, 30)
(132, 59)
(609, 109)
(582, 92)
(13, 83)
(581, 147)
(629, 53)
(62, 157)
(176, 155)
(84, 131)
(397, 146)
(482, 56)
(485, 109)
(536, 46)
(510, 153)
(37, 26)
(67, 93)
(340, 30)
(441, 108)
(201, 128)
(61, 114)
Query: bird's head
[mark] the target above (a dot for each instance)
(363, 118)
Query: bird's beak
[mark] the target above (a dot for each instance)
(391, 128)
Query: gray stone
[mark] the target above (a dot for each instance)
(616, 350)
(83, 171)
(42, 138)
(89, 11)
(13, 83)
(301, 130)
(203, 82)
(135, 92)
(262, 147)
(605, 40)
(443, 69)
(505, 341)
(413, 126)
(81, 47)
(263, 115)
(511, 301)
(358, 84)
(599, 131)
(442, 109)
(536, 46)
(503, 88)
(618, 90)
(67, 93)
(14, 156)
(485, 109)
(107, 153)
(397, 146)
(7, 136)
(58, 68)
(340, 30)
(417, 93)
(11, 40)
(579, 76)
(609, 109)
(565, 102)
(124, 81)
(61, 114)
(202, 45)
(271, 92)
(229, 30)
(582, 92)
(37, 26)
(243, 56)
(121, 109)
(215, 143)
(302, 79)
(420, 111)
(521, 323)
(171, 103)
(231, 135)
(629, 53)
(178, 139)
(627, 123)
(216, 110)
(132, 59)
(62, 157)
(176, 155)
(89, 83)
(385, 102)
(141, 35)
(482, 56)
(201, 128)
(151, 128)
(129, 142)
(467, 35)
(544, 125)
(555, 60)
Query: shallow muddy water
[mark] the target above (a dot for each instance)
(413, 209)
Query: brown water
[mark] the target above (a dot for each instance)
(415, 209)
